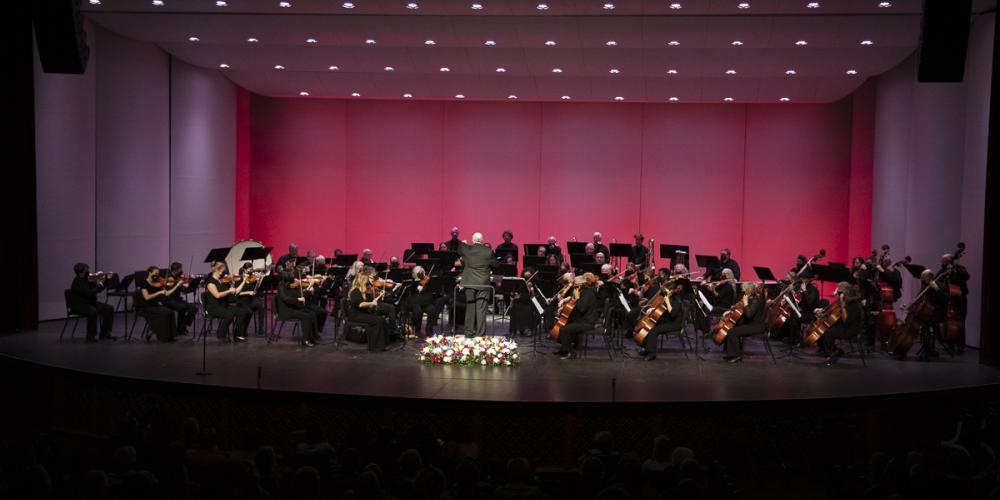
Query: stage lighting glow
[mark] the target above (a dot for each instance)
(347, 5)
(355, 94)
(224, 66)
(412, 6)
(370, 41)
(784, 99)
(866, 42)
(477, 6)
(743, 5)
(671, 71)
(542, 6)
(609, 6)
(611, 43)
(490, 43)
(389, 68)
(614, 71)
(429, 42)
(550, 43)
(852, 72)
(565, 97)
(801, 43)
(459, 96)
(673, 99)
(737, 43)
(407, 95)
(619, 98)
(557, 70)
(512, 96)
(728, 99)
(444, 69)
(304, 93)
(673, 43)
(730, 71)
(675, 5)
(813, 5)
(278, 66)
(790, 72)
(252, 40)
(284, 5)
(334, 68)
(312, 40)
(194, 39)
(501, 70)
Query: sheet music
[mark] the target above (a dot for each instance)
(794, 307)
(541, 310)
(701, 296)
(621, 298)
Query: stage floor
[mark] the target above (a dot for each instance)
(352, 370)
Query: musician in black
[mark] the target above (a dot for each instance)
(83, 301)
(671, 320)
(293, 307)
(726, 262)
(585, 316)
(600, 247)
(361, 308)
(453, 244)
(937, 293)
(552, 248)
(153, 291)
(848, 326)
(524, 315)
(806, 297)
(508, 247)
(864, 276)
(423, 300)
(221, 303)
(640, 252)
(954, 273)
(750, 323)
(890, 275)
(186, 311)
(291, 258)
(250, 298)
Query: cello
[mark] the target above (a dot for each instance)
(728, 321)
(954, 319)
(657, 307)
(779, 309)
(831, 315)
(567, 309)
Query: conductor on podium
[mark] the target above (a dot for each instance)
(478, 259)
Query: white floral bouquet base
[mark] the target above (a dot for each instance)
(470, 351)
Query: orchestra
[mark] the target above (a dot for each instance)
(403, 299)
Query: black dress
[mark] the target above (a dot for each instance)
(582, 321)
(751, 323)
(185, 310)
(845, 328)
(159, 318)
(523, 313)
(228, 310)
(377, 329)
(83, 301)
(670, 321)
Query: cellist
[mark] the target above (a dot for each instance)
(671, 320)
(848, 326)
(585, 316)
(750, 323)
(937, 294)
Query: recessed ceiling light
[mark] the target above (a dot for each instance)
(490, 43)
(619, 98)
(278, 66)
(412, 6)
(728, 99)
(784, 99)
(389, 68)
(743, 5)
(673, 99)
(220, 3)
(611, 43)
(790, 72)
(158, 3)
(671, 71)
(801, 43)
(813, 5)
(444, 69)
(194, 39)
(501, 70)
(673, 43)
(355, 94)
(347, 5)
(370, 41)
(730, 71)
(885, 5)
(477, 6)
(542, 6)
(312, 40)
(304, 93)
(866, 42)
(252, 40)
(675, 5)
(284, 5)
(614, 71)
(852, 72)
(334, 68)
(609, 6)
(459, 96)
(557, 70)
(429, 42)
(565, 97)
(95, 2)
(407, 95)
(224, 66)
(512, 96)
(736, 43)
(550, 43)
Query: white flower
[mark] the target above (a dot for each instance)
(484, 362)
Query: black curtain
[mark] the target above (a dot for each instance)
(990, 328)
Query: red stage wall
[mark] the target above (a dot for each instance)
(768, 181)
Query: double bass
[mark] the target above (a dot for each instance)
(886, 321)
(918, 315)
(954, 319)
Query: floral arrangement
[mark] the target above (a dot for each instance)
(469, 351)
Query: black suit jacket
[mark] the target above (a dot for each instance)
(478, 260)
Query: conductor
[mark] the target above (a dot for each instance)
(478, 260)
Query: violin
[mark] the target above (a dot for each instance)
(99, 276)
(169, 281)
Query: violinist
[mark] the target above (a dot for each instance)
(185, 310)
(366, 257)
(671, 320)
(550, 259)
(249, 297)
(308, 290)
(805, 295)
(295, 308)
(291, 258)
(585, 316)
(750, 323)
(362, 305)
(937, 294)
(422, 300)
(83, 301)
(724, 291)
(508, 247)
(153, 291)
(848, 326)
(640, 252)
(600, 247)
(393, 262)
(221, 303)
(523, 314)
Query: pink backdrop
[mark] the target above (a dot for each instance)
(768, 181)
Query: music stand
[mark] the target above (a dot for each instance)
(839, 272)
(591, 267)
(253, 254)
(398, 275)
(427, 264)
(337, 271)
(678, 254)
(506, 270)
(532, 248)
(444, 256)
(422, 248)
(217, 255)
(345, 259)
(765, 274)
(573, 247)
(708, 262)
(578, 259)
(380, 267)
(915, 270)
(534, 261)
(620, 250)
